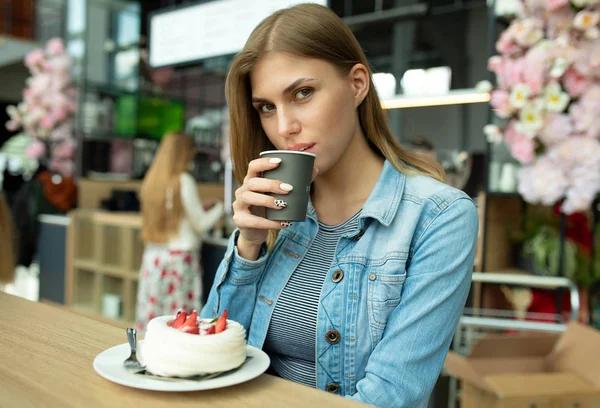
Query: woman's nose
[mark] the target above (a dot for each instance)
(287, 124)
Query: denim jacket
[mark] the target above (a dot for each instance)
(392, 297)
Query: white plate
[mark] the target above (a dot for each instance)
(109, 364)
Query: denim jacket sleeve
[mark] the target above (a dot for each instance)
(406, 363)
(235, 285)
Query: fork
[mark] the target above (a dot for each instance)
(132, 363)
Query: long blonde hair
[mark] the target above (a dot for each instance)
(311, 31)
(160, 195)
(8, 247)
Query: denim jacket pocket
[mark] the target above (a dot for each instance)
(384, 294)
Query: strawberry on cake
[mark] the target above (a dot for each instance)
(186, 345)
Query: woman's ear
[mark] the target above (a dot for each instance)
(360, 82)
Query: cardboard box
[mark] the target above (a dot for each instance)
(531, 371)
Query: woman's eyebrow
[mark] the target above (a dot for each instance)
(287, 89)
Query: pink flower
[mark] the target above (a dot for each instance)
(499, 100)
(55, 46)
(61, 132)
(575, 83)
(35, 150)
(34, 59)
(508, 71)
(556, 4)
(60, 113)
(47, 122)
(586, 113)
(559, 21)
(506, 44)
(536, 66)
(522, 148)
(556, 128)
(544, 181)
(588, 60)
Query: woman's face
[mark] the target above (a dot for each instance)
(308, 104)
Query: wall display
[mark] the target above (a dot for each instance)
(192, 33)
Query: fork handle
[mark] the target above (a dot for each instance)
(132, 339)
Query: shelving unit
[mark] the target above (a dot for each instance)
(105, 259)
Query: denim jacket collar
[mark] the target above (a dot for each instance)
(378, 206)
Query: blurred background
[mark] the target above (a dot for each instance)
(131, 71)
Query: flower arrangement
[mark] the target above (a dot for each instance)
(548, 93)
(48, 108)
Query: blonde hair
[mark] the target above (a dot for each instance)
(311, 31)
(8, 247)
(160, 195)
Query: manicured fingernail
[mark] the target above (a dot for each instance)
(286, 187)
(280, 203)
(286, 224)
(316, 170)
(275, 160)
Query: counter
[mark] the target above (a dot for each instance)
(46, 356)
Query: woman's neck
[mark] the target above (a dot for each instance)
(343, 190)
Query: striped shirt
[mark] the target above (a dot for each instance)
(291, 337)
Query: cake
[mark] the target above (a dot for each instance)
(184, 345)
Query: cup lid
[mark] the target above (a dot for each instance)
(287, 152)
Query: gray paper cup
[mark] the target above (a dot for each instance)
(295, 169)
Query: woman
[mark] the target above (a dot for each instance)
(173, 220)
(361, 299)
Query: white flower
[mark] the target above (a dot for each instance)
(519, 95)
(592, 33)
(528, 32)
(556, 100)
(586, 19)
(484, 86)
(531, 120)
(559, 67)
(493, 134)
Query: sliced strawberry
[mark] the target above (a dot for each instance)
(211, 330)
(192, 319)
(221, 323)
(190, 329)
(179, 319)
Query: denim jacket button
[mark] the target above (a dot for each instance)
(337, 276)
(372, 276)
(332, 336)
(333, 388)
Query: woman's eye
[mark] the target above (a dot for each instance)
(267, 107)
(304, 93)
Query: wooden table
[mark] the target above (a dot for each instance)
(46, 356)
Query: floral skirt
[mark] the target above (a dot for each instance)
(169, 280)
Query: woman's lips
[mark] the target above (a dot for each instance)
(302, 147)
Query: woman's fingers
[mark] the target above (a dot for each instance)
(247, 220)
(258, 166)
(250, 198)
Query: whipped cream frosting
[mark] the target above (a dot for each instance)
(169, 352)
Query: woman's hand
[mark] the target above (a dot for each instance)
(250, 205)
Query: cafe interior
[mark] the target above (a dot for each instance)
(476, 85)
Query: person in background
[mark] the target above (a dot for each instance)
(173, 222)
(7, 243)
(362, 299)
